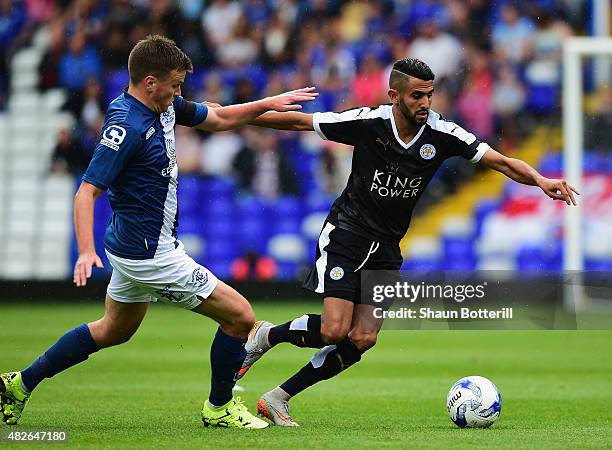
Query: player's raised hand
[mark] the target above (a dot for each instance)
(289, 101)
(559, 189)
(83, 267)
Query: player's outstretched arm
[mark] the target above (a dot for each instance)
(233, 116)
(520, 171)
(83, 225)
(294, 121)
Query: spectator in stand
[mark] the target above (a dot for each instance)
(241, 47)
(115, 49)
(49, 66)
(440, 50)
(598, 135)
(13, 21)
(69, 155)
(188, 147)
(244, 91)
(511, 36)
(475, 98)
(370, 83)
(219, 20)
(545, 48)
(217, 153)
(92, 108)
(80, 63)
(166, 19)
(214, 91)
(276, 50)
(261, 167)
(508, 100)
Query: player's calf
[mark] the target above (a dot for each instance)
(363, 340)
(333, 332)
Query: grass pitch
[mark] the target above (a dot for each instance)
(556, 386)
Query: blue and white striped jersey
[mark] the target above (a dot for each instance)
(135, 160)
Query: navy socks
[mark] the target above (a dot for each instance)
(72, 348)
(305, 331)
(326, 363)
(227, 354)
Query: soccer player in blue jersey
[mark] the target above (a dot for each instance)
(135, 162)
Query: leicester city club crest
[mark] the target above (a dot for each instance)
(427, 151)
(336, 273)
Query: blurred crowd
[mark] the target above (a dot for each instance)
(497, 66)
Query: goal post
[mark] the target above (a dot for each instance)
(573, 148)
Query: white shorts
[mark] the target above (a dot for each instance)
(173, 278)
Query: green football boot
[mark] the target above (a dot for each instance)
(231, 415)
(13, 398)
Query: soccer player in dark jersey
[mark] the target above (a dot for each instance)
(397, 149)
(135, 161)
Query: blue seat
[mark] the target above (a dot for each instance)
(288, 207)
(292, 225)
(221, 229)
(482, 210)
(318, 202)
(221, 249)
(191, 224)
(541, 99)
(421, 264)
(219, 187)
(603, 265)
(218, 209)
(459, 263)
(457, 248)
(551, 163)
(287, 270)
(221, 267)
(252, 235)
(114, 83)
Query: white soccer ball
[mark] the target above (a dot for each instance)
(474, 402)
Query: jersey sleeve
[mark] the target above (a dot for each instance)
(344, 127)
(117, 144)
(189, 113)
(461, 142)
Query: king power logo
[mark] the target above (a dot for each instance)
(390, 185)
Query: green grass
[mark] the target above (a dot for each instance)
(556, 386)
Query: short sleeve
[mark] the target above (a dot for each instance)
(344, 127)
(117, 144)
(189, 113)
(461, 142)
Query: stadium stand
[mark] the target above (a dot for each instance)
(342, 48)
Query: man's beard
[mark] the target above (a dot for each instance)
(411, 118)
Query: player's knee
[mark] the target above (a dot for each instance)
(364, 340)
(241, 323)
(246, 322)
(333, 333)
(105, 335)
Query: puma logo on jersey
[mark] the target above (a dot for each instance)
(383, 143)
(391, 168)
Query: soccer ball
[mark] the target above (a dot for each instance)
(474, 402)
